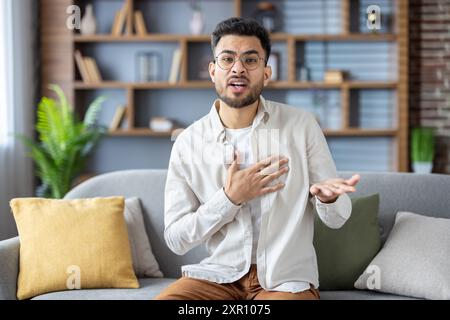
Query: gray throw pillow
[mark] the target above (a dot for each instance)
(144, 262)
(415, 260)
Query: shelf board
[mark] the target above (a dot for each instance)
(177, 85)
(143, 132)
(348, 37)
(330, 85)
(359, 132)
(142, 85)
(133, 38)
(206, 38)
(208, 84)
(372, 84)
(100, 85)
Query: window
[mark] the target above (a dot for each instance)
(4, 67)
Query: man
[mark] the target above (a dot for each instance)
(246, 180)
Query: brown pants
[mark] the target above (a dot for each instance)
(246, 288)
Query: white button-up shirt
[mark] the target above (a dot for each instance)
(198, 211)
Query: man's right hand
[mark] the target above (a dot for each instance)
(247, 184)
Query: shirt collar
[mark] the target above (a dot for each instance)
(216, 124)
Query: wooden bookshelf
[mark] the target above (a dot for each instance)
(79, 85)
(206, 38)
(53, 42)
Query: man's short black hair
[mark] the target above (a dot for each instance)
(241, 27)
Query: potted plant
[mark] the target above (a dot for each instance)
(422, 149)
(64, 143)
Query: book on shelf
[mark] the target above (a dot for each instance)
(93, 70)
(176, 65)
(82, 66)
(118, 117)
(114, 27)
(129, 18)
(88, 68)
(120, 19)
(115, 22)
(139, 23)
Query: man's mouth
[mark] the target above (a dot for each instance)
(238, 86)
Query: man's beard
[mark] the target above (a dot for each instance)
(240, 102)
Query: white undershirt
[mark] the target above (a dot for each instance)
(240, 139)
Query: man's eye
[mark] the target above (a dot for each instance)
(251, 60)
(227, 59)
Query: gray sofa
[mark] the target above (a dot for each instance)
(424, 194)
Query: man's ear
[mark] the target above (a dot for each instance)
(267, 74)
(212, 70)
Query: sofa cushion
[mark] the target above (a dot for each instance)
(415, 260)
(343, 254)
(149, 288)
(144, 262)
(72, 244)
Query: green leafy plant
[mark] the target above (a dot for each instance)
(422, 144)
(64, 143)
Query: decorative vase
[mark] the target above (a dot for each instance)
(88, 23)
(196, 24)
(266, 15)
(422, 167)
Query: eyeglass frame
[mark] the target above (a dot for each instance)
(236, 59)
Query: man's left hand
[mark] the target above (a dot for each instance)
(329, 190)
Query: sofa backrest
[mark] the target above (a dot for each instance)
(423, 194)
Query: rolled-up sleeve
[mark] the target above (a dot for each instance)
(321, 167)
(335, 214)
(188, 222)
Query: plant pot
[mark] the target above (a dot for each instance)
(422, 167)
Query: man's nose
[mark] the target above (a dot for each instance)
(238, 67)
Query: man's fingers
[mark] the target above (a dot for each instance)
(269, 161)
(274, 175)
(314, 190)
(353, 180)
(325, 191)
(337, 180)
(273, 167)
(237, 156)
(233, 167)
(350, 181)
(330, 189)
(335, 189)
(274, 188)
(344, 187)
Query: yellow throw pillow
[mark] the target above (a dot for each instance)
(72, 244)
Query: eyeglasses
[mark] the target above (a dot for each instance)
(226, 60)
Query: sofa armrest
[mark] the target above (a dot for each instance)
(9, 268)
